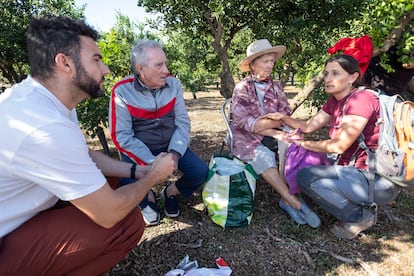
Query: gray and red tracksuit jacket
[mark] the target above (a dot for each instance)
(143, 119)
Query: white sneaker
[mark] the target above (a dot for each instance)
(151, 216)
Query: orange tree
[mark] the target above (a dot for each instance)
(388, 23)
(14, 20)
(219, 21)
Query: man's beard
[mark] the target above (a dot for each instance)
(87, 84)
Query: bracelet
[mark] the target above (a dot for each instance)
(133, 170)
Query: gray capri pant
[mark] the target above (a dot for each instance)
(343, 190)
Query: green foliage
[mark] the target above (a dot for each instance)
(216, 22)
(237, 50)
(190, 59)
(379, 18)
(205, 40)
(287, 22)
(308, 34)
(307, 29)
(93, 113)
(14, 20)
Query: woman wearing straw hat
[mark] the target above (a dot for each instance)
(255, 97)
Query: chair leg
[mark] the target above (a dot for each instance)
(222, 147)
(102, 139)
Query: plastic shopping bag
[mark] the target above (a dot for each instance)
(228, 193)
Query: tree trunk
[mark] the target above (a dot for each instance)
(10, 74)
(227, 83)
(226, 78)
(305, 93)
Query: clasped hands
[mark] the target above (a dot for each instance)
(294, 136)
(165, 166)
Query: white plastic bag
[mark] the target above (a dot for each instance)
(190, 268)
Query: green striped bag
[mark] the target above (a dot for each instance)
(228, 193)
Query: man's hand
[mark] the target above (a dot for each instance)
(141, 170)
(176, 157)
(163, 167)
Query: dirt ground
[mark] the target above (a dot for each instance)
(272, 244)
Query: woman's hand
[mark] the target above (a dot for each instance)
(280, 135)
(276, 116)
(295, 136)
(264, 123)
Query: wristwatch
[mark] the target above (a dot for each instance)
(133, 170)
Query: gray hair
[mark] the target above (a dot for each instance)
(139, 53)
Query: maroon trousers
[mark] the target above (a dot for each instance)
(64, 241)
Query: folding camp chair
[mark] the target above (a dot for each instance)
(226, 112)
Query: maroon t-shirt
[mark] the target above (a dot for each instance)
(361, 103)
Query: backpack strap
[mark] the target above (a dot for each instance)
(370, 160)
(371, 175)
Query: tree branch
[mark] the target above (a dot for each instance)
(305, 93)
(394, 36)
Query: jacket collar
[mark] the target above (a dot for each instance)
(140, 86)
(252, 78)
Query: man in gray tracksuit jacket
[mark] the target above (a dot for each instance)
(148, 116)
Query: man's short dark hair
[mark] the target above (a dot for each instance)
(50, 35)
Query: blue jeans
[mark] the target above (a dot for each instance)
(194, 172)
(341, 190)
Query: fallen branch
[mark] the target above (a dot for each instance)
(336, 256)
(307, 257)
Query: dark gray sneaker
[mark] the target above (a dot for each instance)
(171, 206)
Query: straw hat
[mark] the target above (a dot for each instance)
(258, 48)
